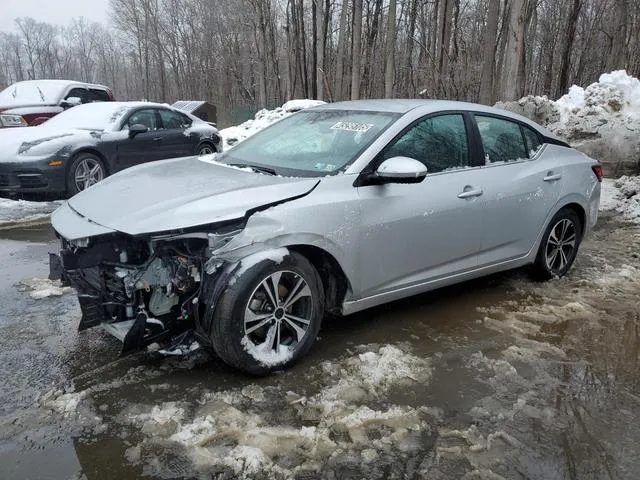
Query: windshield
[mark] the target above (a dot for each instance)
(311, 143)
(32, 93)
(91, 116)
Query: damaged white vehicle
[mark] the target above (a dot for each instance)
(335, 209)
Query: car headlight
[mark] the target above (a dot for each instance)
(10, 120)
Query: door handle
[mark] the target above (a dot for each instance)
(470, 193)
(552, 177)
(157, 139)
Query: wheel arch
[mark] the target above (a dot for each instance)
(206, 141)
(92, 151)
(335, 282)
(580, 211)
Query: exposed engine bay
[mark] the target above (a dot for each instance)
(142, 290)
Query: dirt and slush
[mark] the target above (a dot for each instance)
(496, 378)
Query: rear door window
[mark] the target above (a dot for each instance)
(440, 143)
(98, 95)
(174, 120)
(502, 140)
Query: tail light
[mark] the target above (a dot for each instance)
(598, 171)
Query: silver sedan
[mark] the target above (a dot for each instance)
(334, 209)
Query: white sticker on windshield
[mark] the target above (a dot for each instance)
(352, 126)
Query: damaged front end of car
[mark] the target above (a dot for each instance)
(147, 289)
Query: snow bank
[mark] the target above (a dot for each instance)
(622, 196)
(24, 212)
(601, 120)
(233, 135)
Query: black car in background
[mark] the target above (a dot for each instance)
(80, 146)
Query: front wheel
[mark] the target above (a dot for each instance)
(559, 245)
(269, 316)
(85, 170)
(205, 149)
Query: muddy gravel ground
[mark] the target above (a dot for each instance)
(496, 378)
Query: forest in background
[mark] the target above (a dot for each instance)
(249, 54)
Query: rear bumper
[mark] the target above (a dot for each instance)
(31, 177)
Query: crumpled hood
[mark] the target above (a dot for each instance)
(181, 193)
(34, 141)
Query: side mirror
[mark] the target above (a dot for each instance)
(136, 129)
(400, 170)
(71, 102)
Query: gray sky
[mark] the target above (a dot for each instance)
(51, 11)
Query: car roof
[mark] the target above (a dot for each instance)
(425, 107)
(63, 83)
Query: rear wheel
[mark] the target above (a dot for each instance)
(85, 170)
(559, 245)
(269, 316)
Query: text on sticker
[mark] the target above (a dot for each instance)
(352, 126)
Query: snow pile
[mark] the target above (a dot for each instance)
(233, 135)
(39, 288)
(263, 432)
(622, 196)
(23, 212)
(601, 120)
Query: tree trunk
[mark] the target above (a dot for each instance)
(513, 73)
(572, 21)
(319, 70)
(342, 53)
(357, 54)
(389, 72)
(489, 51)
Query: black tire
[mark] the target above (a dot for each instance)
(81, 161)
(228, 333)
(205, 148)
(547, 265)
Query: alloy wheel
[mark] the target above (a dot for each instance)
(278, 314)
(205, 150)
(561, 245)
(88, 172)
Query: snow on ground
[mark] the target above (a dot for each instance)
(233, 135)
(349, 416)
(42, 288)
(622, 196)
(602, 120)
(25, 212)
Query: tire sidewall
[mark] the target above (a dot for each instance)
(203, 145)
(227, 329)
(541, 260)
(71, 182)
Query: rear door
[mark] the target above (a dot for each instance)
(521, 184)
(412, 233)
(177, 139)
(144, 147)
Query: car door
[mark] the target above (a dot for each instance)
(413, 233)
(521, 186)
(177, 140)
(143, 147)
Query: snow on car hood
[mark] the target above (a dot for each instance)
(181, 193)
(34, 141)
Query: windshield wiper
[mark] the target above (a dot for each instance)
(267, 170)
(41, 94)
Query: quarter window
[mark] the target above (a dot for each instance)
(502, 140)
(98, 95)
(146, 117)
(532, 139)
(440, 143)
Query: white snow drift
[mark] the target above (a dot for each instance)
(602, 120)
(24, 212)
